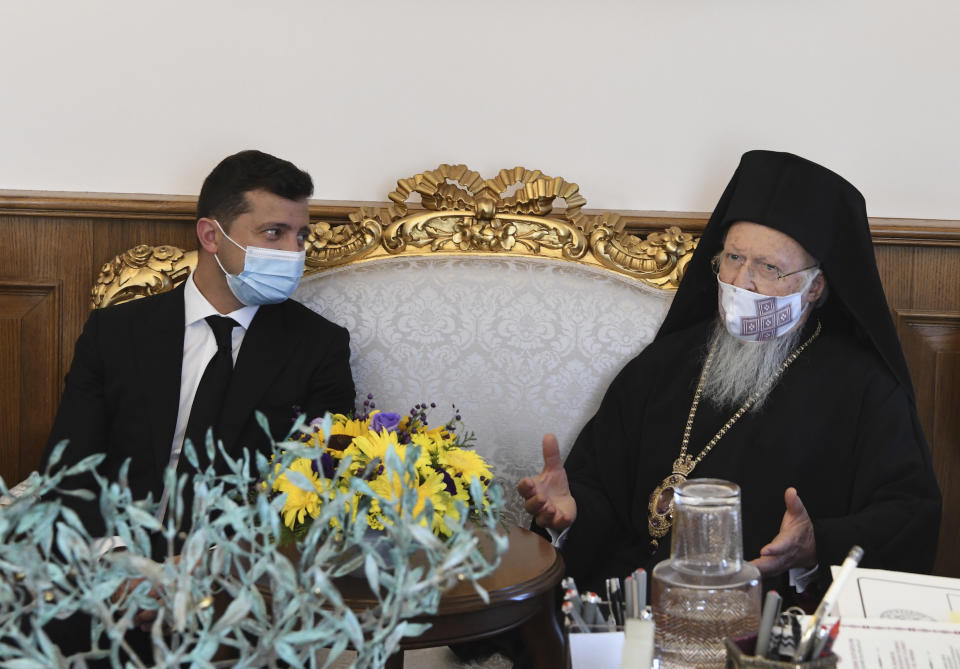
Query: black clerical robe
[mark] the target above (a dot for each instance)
(838, 426)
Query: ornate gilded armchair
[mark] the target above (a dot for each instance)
(483, 297)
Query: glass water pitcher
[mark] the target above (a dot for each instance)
(705, 591)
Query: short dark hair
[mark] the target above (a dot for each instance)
(222, 194)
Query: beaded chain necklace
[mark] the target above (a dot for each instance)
(660, 507)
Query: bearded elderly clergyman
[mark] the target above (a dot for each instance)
(780, 352)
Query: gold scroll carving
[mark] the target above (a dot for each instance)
(143, 270)
(460, 213)
(512, 213)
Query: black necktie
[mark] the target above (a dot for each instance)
(207, 403)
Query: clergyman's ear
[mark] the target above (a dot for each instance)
(817, 293)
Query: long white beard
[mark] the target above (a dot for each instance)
(741, 368)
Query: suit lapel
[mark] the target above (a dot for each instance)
(266, 346)
(159, 351)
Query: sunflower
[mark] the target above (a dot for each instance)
(444, 509)
(371, 446)
(430, 448)
(299, 502)
(465, 463)
(391, 488)
(442, 473)
(349, 426)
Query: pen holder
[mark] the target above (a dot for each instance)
(598, 648)
(737, 659)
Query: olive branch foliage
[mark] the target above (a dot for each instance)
(229, 593)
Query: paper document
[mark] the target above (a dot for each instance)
(896, 595)
(894, 644)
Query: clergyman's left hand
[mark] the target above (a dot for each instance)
(794, 546)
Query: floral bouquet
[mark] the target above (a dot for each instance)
(355, 447)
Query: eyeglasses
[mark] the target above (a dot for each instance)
(732, 262)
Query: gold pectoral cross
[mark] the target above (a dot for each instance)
(660, 507)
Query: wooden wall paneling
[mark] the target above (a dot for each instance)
(40, 252)
(931, 342)
(920, 277)
(52, 248)
(29, 376)
(946, 433)
(74, 265)
(10, 374)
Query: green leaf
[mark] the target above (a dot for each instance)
(144, 519)
(236, 611)
(336, 651)
(299, 480)
(286, 653)
(312, 636)
(56, 454)
(24, 663)
(372, 574)
(71, 544)
(482, 592)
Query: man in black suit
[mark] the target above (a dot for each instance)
(138, 386)
(138, 366)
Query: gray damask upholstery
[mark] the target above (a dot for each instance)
(521, 345)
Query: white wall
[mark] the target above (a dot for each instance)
(647, 104)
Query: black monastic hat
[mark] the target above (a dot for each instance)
(826, 215)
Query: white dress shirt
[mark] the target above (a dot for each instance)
(199, 347)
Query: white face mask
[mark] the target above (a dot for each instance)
(269, 276)
(757, 317)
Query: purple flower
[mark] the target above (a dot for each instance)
(448, 482)
(385, 420)
(329, 465)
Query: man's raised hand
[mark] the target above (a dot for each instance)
(547, 495)
(794, 546)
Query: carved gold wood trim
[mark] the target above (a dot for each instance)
(141, 271)
(464, 213)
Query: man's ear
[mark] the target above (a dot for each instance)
(207, 234)
(817, 286)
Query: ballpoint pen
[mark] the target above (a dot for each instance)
(805, 647)
(573, 598)
(591, 609)
(613, 599)
(831, 639)
(819, 642)
(569, 609)
(771, 611)
(640, 583)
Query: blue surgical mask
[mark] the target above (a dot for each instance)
(269, 276)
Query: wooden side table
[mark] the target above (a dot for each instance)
(522, 594)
